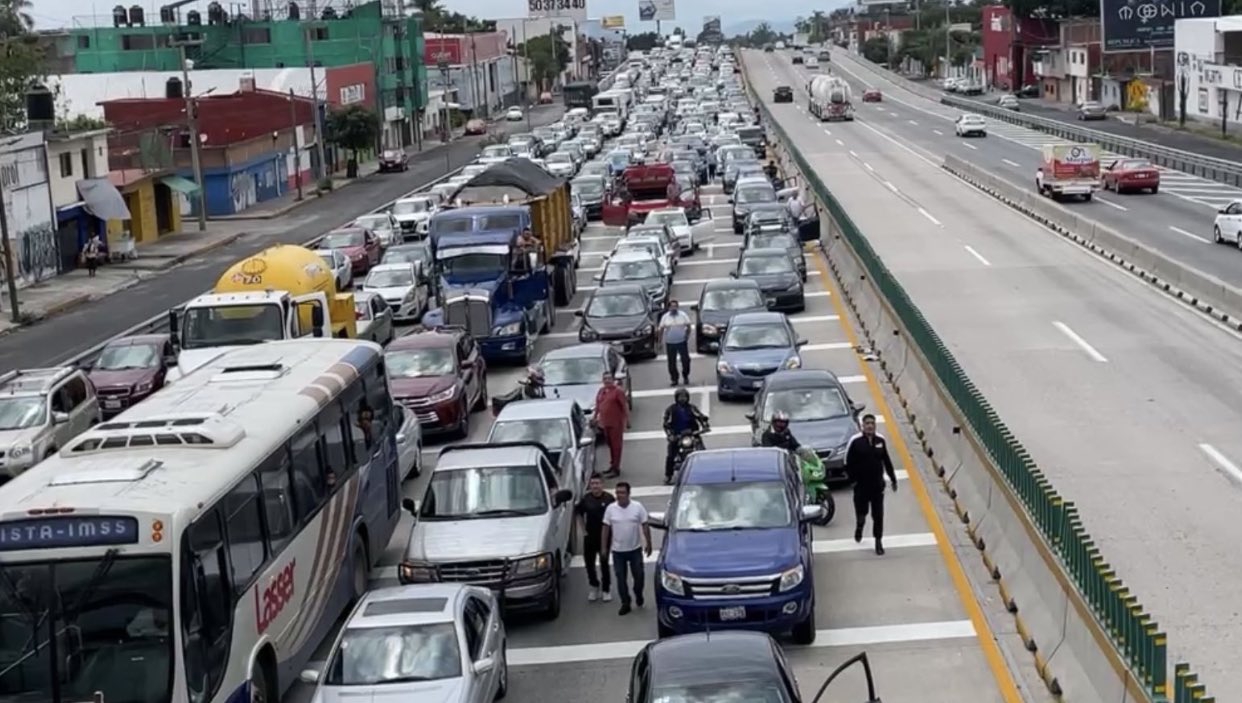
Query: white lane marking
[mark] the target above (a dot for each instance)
(938, 132)
(1185, 233)
(928, 215)
(1222, 462)
(716, 431)
(853, 153)
(934, 164)
(894, 114)
(840, 143)
(1011, 163)
(977, 255)
(970, 146)
(826, 131)
(810, 347)
(840, 637)
(1082, 343)
(916, 124)
(824, 546)
(869, 168)
(890, 186)
(1111, 204)
(706, 391)
(667, 491)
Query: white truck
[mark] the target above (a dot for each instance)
(831, 98)
(1069, 170)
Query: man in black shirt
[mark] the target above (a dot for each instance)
(778, 434)
(866, 463)
(589, 512)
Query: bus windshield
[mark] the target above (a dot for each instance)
(231, 325)
(112, 623)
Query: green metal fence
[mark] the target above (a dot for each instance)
(1137, 638)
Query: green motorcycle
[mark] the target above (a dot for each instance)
(815, 484)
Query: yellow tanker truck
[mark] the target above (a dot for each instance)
(283, 292)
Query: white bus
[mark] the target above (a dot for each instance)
(199, 546)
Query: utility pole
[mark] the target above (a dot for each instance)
(8, 257)
(322, 171)
(191, 117)
(297, 148)
(445, 126)
(948, 40)
(526, 65)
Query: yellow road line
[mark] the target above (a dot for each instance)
(987, 638)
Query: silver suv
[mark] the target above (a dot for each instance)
(40, 410)
(494, 515)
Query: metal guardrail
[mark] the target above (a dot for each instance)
(1211, 168)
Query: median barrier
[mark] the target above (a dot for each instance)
(1205, 292)
(1090, 638)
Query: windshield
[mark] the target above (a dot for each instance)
(451, 225)
(552, 433)
(733, 299)
(475, 266)
(588, 189)
(619, 159)
(631, 270)
(499, 150)
(1132, 165)
(405, 254)
(573, 372)
(560, 157)
(672, 218)
(370, 656)
(732, 506)
(779, 240)
(410, 207)
(417, 363)
(231, 324)
(22, 412)
(129, 356)
(759, 265)
(757, 337)
(112, 627)
(491, 491)
(373, 222)
(616, 306)
(340, 240)
(755, 195)
(390, 278)
(807, 404)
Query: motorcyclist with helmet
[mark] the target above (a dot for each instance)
(681, 417)
(529, 388)
(778, 433)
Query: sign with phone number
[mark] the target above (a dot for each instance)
(569, 9)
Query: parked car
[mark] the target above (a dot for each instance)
(637, 267)
(514, 114)
(412, 214)
(441, 376)
(1092, 110)
(1129, 175)
(394, 160)
(339, 264)
(417, 253)
(476, 127)
(373, 318)
(777, 276)
(821, 413)
(1009, 102)
(360, 246)
(129, 369)
(40, 411)
(755, 346)
(678, 223)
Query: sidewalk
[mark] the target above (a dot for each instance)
(65, 292)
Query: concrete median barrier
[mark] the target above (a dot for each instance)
(1205, 292)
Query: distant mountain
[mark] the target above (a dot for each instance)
(747, 26)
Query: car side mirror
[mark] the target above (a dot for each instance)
(750, 416)
(598, 277)
(658, 522)
(713, 346)
(310, 676)
(484, 665)
(812, 513)
(801, 343)
(170, 360)
(562, 497)
(858, 407)
(586, 442)
(410, 506)
(60, 418)
(733, 274)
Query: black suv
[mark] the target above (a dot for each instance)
(783, 94)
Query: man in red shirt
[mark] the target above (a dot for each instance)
(612, 416)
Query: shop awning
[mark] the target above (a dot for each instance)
(102, 199)
(182, 185)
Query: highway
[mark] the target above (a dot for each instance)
(1177, 221)
(902, 608)
(1128, 401)
(62, 337)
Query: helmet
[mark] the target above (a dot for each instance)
(535, 374)
(780, 417)
(681, 395)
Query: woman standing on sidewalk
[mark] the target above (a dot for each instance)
(91, 254)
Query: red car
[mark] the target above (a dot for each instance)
(440, 375)
(361, 246)
(872, 95)
(129, 369)
(394, 160)
(1131, 175)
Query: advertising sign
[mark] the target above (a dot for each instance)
(1141, 25)
(613, 22)
(657, 10)
(711, 24)
(575, 10)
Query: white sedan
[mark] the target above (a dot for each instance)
(514, 114)
(677, 221)
(400, 288)
(1228, 226)
(342, 271)
(971, 125)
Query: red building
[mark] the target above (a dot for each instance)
(458, 49)
(1010, 45)
(351, 85)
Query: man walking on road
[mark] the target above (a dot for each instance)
(627, 537)
(590, 515)
(612, 416)
(675, 332)
(866, 463)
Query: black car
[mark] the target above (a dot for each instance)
(783, 94)
(777, 277)
(719, 301)
(747, 198)
(622, 315)
(821, 414)
(640, 268)
(393, 160)
(721, 665)
(797, 59)
(591, 190)
(778, 238)
(768, 48)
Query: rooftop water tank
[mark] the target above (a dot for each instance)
(120, 16)
(174, 88)
(40, 105)
(194, 18)
(295, 12)
(136, 16)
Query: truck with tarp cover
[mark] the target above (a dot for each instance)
(486, 277)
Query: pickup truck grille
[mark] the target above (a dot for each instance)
(478, 573)
(731, 589)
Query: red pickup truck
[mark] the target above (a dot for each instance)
(641, 189)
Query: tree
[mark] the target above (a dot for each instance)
(763, 34)
(876, 49)
(438, 19)
(81, 123)
(355, 128)
(15, 18)
(21, 67)
(548, 55)
(645, 41)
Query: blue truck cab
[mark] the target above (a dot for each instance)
(485, 281)
(737, 551)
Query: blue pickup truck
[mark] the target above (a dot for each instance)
(737, 549)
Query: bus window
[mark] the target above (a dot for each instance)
(245, 532)
(278, 500)
(353, 401)
(309, 485)
(207, 607)
(335, 455)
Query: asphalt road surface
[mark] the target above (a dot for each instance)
(1177, 221)
(1129, 401)
(64, 336)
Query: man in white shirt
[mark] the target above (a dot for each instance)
(675, 334)
(627, 536)
(795, 207)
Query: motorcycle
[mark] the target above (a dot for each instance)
(527, 389)
(815, 484)
(688, 443)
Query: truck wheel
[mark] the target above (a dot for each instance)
(663, 631)
(553, 609)
(804, 632)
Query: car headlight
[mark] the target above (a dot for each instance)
(508, 330)
(723, 367)
(792, 578)
(587, 334)
(672, 583)
(144, 387)
(20, 451)
(528, 566)
(443, 396)
(793, 362)
(794, 287)
(645, 330)
(411, 572)
(709, 329)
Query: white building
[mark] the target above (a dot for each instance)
(72, 158)
(1208, 53)
(27, 201)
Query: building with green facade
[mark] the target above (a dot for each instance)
(281, 37)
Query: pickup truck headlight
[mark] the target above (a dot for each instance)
(587, 334)
(413, 572)
(793, 362)
(794, 287)
(529, 566)
(723, 367)
(672, 583)
(144, 387)
(19, 451)
(792, 578)
(645, 330)
(508, 330)
(709, 329)
(442, 396)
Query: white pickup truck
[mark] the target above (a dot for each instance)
(1069, 170)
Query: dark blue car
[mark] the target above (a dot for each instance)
(755, 345)
(737, 551)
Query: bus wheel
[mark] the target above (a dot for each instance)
(359, 577)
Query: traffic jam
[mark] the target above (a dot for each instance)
(625, 404)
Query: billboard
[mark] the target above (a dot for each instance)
(575, 10)
(656, 10)
(1141, 25)
(612, 22)
(27, 202)
(711, 24)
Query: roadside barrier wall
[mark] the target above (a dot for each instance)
(1090, 638)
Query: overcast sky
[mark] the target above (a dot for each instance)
(690, 13)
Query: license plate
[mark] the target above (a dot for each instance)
(735, 613)
(112, 404)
